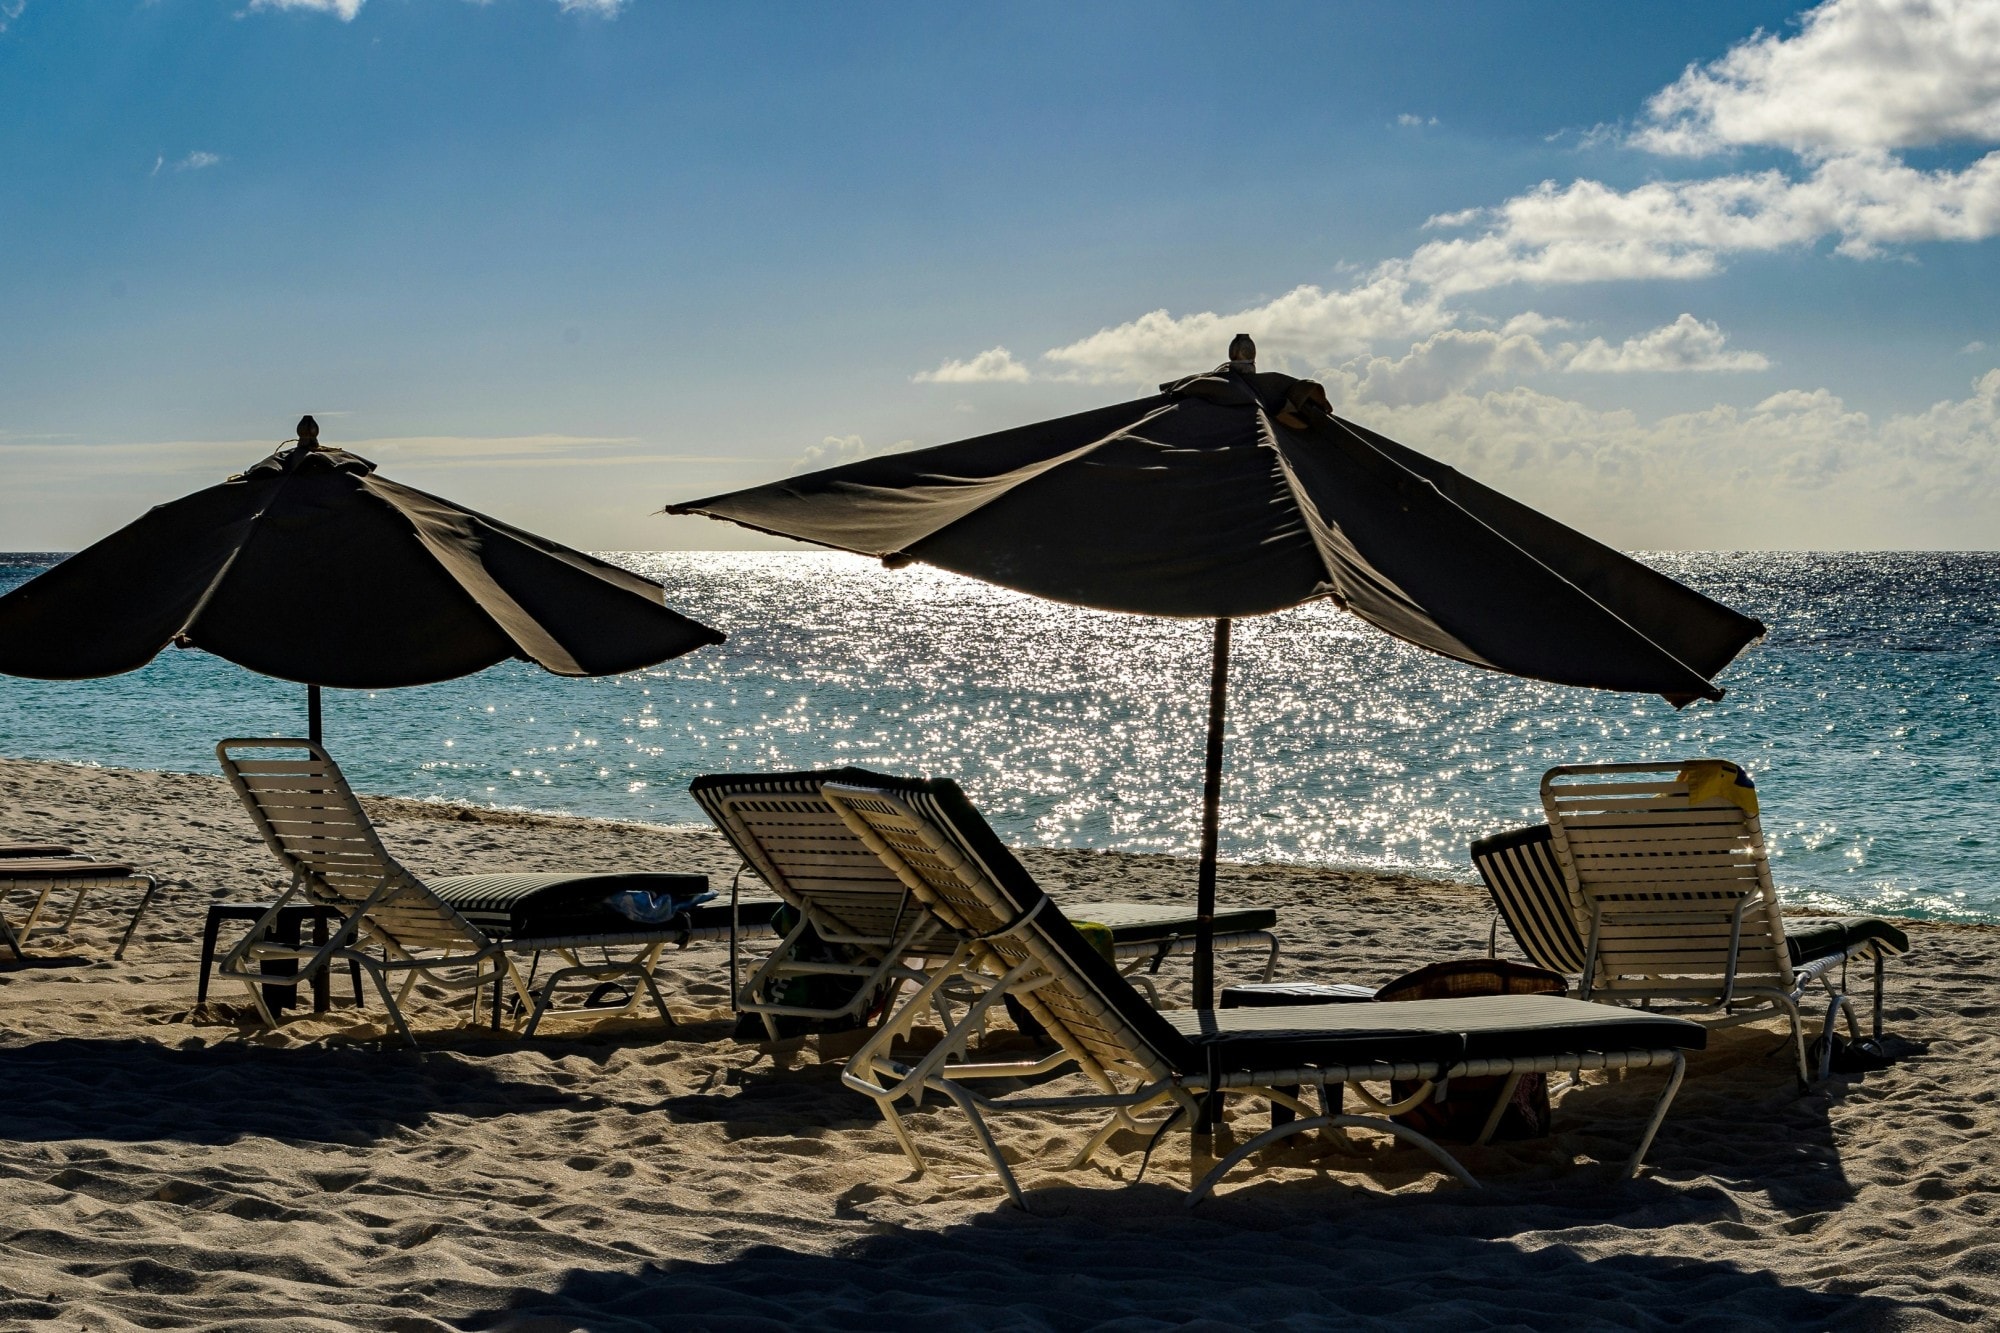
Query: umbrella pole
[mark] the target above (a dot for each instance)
(1211, 808)
(312, 713)
(1211, 812)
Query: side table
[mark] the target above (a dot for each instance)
(284, 930)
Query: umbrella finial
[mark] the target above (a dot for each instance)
(308, 435)
(1243, 354)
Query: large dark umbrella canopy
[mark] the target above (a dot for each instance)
(312, 567)
(1237, 493)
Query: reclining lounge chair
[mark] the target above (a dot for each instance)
(461, 932)
(46, 868)
(1011, 939)
(800, 846)
(1652, 885)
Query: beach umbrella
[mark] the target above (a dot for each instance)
(313, 567)
(1235, 493)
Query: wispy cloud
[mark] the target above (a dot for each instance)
(345, 10)
(196, 161)
(9, 11)
(995, 365)
(1409, 120)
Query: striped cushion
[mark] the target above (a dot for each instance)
(1809, 938)
(551, 906)
(1527, 885)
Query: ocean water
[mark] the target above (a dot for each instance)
(1870, 717)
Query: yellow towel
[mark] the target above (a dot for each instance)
(1099, 938)
(1711, 780)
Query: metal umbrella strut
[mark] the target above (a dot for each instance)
(312, 567)
(1238, 493)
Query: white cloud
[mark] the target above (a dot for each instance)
(344, 10)
(1453, 360)
(1406, 119)
(1587, 231)
(1442, 364)
(1858, 75)
(1687, 344)
(992, 366)
(9, 11)
(1973, 348)
(1800, 470)
(1534, 323)
(1306, 327)
(835, 450)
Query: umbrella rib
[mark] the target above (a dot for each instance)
(249, 531)
(1018, 476)
(1706, 688)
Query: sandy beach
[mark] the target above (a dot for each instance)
(166, 1168)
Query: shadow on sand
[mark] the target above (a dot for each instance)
(1271, 1257)
(140, 1091)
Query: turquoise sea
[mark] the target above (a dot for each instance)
(1870, 717)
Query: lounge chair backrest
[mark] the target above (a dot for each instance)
(798, 844)
(940, 846)
(1548, 918)
(312, 821)
(1664, 869)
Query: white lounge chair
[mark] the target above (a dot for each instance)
(43, 870)
(800, 846)
(1012, 940)
(461, 932)
(1666, 865)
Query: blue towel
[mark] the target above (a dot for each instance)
(649, 907)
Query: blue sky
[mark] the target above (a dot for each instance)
(1694, 275)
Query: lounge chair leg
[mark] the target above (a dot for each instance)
(659, 1001)
(1271, 961)
(1659, 1114)
(1878, 996)
(902, 1133)
(145, 900)
(263, 1009)
(1500, 1105)
(8, 937)
(1125, 1117)
(1834, 1008)
(388, 1001)
(964, 1101)
(1798, 1042)
(35, 913)
(1451, 1164)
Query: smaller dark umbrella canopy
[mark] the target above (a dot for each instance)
(312, 567)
